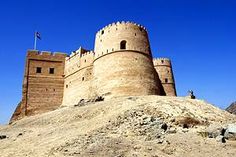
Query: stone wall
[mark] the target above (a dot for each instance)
(164, 69)
(123, 64)
(78, 77)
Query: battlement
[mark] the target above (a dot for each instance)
(35, 53)
(79, 53)
(78, 60)
(122, 36)
(87, 53)
(161, 62)
(118, 24)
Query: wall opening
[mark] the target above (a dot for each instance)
(166, 80)
(82, 78)
(162, 61)
(51, 70)
(102, 32)
(123, 45)
(38, 70)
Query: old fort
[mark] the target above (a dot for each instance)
(121, 64)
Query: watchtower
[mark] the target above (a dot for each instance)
(43, 83)
(123, 61)
(164, 69)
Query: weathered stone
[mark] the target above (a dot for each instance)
(230, 132)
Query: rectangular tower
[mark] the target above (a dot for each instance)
(42, 85)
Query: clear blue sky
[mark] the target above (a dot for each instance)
(198, 35)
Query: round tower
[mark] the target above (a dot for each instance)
(164, 69)
(123, 62)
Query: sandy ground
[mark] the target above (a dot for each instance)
(128, 126)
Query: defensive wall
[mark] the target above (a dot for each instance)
(78, 77)
(120, 65)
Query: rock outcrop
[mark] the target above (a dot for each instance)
(232, 108)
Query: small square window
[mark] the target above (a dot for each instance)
(38, 70)
(51, 70)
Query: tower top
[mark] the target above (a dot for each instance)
(117, 24)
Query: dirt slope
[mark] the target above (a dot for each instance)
(128, 126)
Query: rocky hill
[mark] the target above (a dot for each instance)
(232, 108)
(152, 126)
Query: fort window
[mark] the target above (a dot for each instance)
(67, 86)
(107, 50)
(51, 70)
(162, 61)
(102, 32)
(140, 29)
(166, 80)
(82, 78)
(38, 70)
(123, 45)
(112, 49)
(85, 60)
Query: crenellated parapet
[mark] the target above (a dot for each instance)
(77, 60)
(162, 62)
(119, 36)
(41, 54)
(118, 24)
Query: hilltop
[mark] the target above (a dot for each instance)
(152, 126)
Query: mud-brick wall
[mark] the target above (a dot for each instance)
(42, 87)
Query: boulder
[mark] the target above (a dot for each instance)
(3, 137)
(230, 132)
